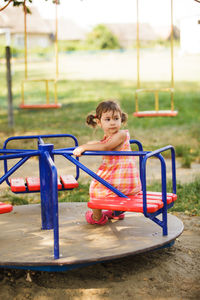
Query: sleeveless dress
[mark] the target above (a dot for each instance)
(119, 171)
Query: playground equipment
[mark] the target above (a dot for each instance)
(155, 91)
(135, 234)
(45, 81)
(5, 208)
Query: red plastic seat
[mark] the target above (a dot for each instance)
(17, 185)
(68, 181)
(158, 195)
(132, 203)
(33, 183)
(5, 208)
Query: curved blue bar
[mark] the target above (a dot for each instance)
(137, 143)
(157, 153)
(169, 147)
(173, 155)
(39, 137)
(140, 147)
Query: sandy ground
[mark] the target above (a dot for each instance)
(171, 273)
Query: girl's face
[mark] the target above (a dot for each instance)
(110, 122)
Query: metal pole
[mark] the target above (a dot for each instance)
(25, 40)
(138, 48)
(22, 91)
(156, 101)
(9, 86)
(172, 58)
(55, 92)
(46, 187)
(47, 92)
(56, 39)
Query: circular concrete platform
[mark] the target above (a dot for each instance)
(25, 245)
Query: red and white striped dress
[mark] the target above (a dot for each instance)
(119, 171)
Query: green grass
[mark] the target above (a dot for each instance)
(15, 199)
(188, 200)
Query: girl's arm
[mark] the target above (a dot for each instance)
(92, 142)
(113, 143)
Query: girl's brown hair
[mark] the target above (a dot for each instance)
(103, 107)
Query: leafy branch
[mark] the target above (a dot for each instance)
(17, 3)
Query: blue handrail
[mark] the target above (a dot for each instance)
(40, 141)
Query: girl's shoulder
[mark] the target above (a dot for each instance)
(126, 144)
(126, 133)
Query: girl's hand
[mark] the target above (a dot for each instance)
(78, 151)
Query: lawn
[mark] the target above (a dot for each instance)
(80, 97)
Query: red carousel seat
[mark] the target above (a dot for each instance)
(5, 208)
(132, 203)
(33, 183)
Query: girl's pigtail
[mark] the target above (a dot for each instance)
(91, 120)
(124, 118)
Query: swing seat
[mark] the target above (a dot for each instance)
(5, 208)
(39, 106)
(132, 203)
(32, 184)
(154, 113)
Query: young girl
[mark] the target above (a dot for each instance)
(119, 171)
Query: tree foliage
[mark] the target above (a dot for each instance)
(22, 3)
(102, 38)
(16, 2)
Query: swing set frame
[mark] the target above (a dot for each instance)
(45, 81)
(155, 91)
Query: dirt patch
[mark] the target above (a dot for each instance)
(171, 273)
